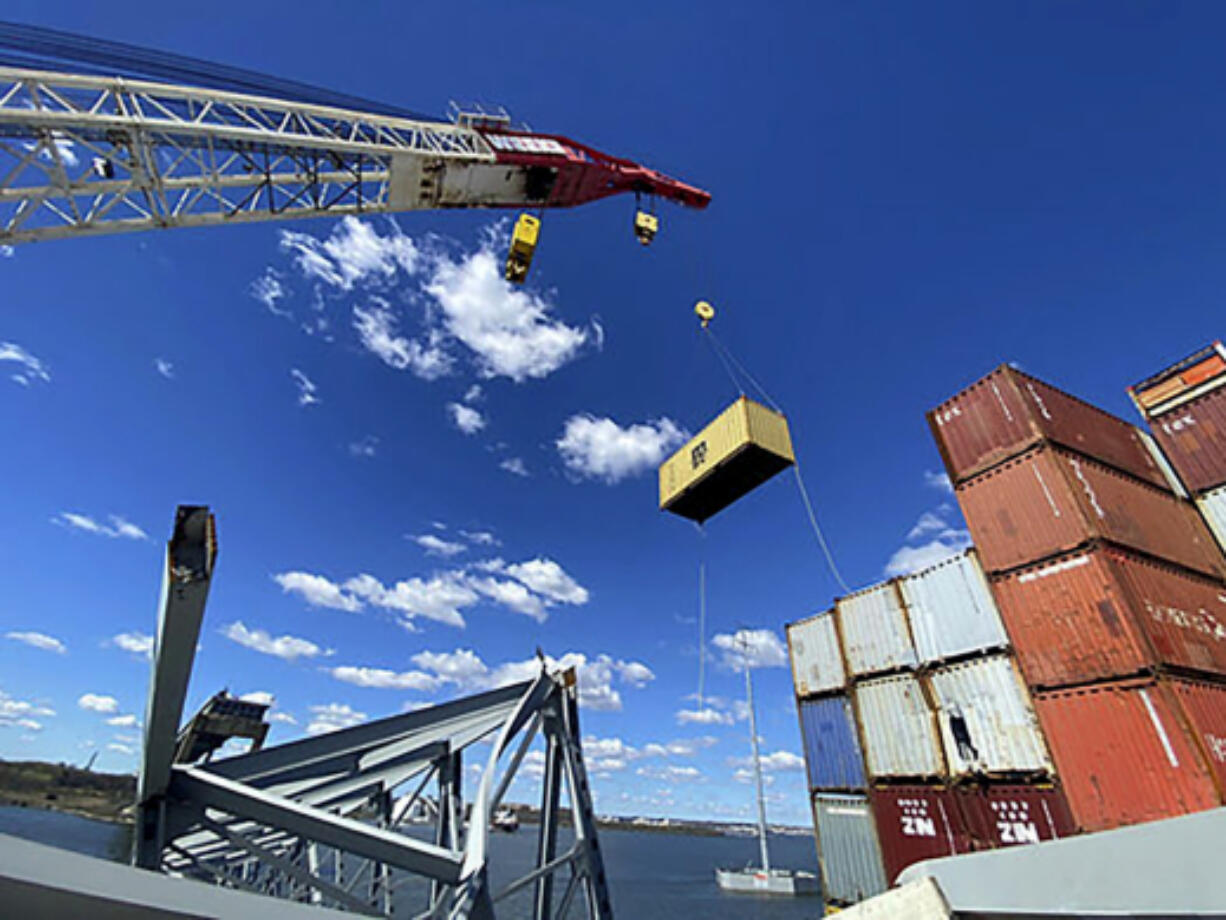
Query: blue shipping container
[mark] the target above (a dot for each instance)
(832, 747)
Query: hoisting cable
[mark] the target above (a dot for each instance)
(702, 614)
(817, 530)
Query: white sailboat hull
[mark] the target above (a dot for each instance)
(785, 882)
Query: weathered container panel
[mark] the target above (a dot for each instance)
(832, 746)
(1011, 815)
(987, 721)
(900, 733)
(1194, 376)
(1049, 500)
(1193, 437)
(847, 848)
(1204, 705)
(742, 448)
(817, 659)
(951, 609)
(1212, 507)
(915, 823)
(1007, 411)
(1123, 754)
(1105, 613)
(876, 637)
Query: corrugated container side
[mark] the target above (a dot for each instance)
(915, 823)
(1123, 754)
(1007, 411)
(899, 728)
(951, 609)
(832, 747)
(1173, 482)
(876, 637)
(1193, 437)
(1106, 613)
(986, 719)
(1204, 705)
(847, 848)
(1212, 507)
(817, 659)
(1049, 501)
(1010, 815)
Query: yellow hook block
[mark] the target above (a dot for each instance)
(705, 312)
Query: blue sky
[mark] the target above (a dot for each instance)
(904, 197)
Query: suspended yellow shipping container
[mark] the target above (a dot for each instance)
(742, 448)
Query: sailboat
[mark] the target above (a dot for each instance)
(763, 879)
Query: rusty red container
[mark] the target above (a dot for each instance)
(1124, 754)
(1193, 437)
(1007, 412)
(1005, 816)
(1104, 612)
(915, 823)
(1204, 706)
(1050, 500)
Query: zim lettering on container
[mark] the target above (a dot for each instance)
(915, 823)
(1001, 816)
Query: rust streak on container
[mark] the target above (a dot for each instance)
(1106, 612)
(1193, 437)
(1003, 816)
(1050, 500)
(1204, 706)
(915, 823)
(1007, 411)
(1124, 755)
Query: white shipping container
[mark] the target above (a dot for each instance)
(987, 721)
(876, 636)
(847, 848)
(1212, 507)
(899, 728)
(817, 661)
(951, 609)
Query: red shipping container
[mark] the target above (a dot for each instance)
(1204, 705)
(1007, 411)
(1193, 437)
(1123, 754)
(915, 823)
(1105, 612)
(1050, 500)
(1003, 816)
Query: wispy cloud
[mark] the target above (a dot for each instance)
(317, 591)
(164, 367)
(330, 717)
(938, 481)
(32, 369)
(465, 418)
(21, 713)
(437, 546)
(480, 537)
(269, 291)
(759, 648)
(306, 388)
(118, 528)
(287, 648)
(385, 679)
(949, 540)
(366, 447)
(125, 721)
(38, 640)
(377, 328)
(600, 448)
(354, 252)
(515, 465)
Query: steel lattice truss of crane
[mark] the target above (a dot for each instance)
(82, 154)
(315, 820)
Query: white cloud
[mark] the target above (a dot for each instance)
(599, 448)
(119, 527)
(480, 537)
(910, 559)
(306, 388)
(938, 481)
(547, 578)
(705, 716)
(759, 648)
(384, 679)
(332, 716)
(366, 447)
(775, 762)
(125, 721)
(635, 673)
(514, 465)
(436, 546)
(929, 522)
(353, 252)
(511, 594)
(164, 367)
(6, 252)
(283, 717)
(466, 418)
(609, 755)
(262, 697)
(14, 712)
(473, 393)
(95, 702)
(287, 648)
(269, 291)
(317, 591)
(38, 640)
(441, 597)
(134, 643)
(118, 748)
(376, 327)
(670, 773)
(30, 725)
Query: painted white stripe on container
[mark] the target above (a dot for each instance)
(899, 728)
(987, 721)
(951, 609)
(1212, 507)
(1160, 729)
(1168, 471)
(817, 661)
(876, 636)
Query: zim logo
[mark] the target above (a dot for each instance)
(698, 455)
(915, 819)
(1017, 832)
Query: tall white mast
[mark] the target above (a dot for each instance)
(757, 770)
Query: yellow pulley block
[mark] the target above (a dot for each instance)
(523, 247)
(705, 312)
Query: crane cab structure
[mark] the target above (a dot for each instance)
(523, 247)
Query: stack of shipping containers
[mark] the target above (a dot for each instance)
(1110, 588)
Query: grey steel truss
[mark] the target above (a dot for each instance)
(317, 820)
(87, 155)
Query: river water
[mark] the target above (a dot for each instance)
(652, 876)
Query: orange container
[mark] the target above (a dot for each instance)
(1204, 705)
(1050, 500)
(1123, 754)
(1104, 612)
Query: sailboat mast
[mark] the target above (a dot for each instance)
(757, 770)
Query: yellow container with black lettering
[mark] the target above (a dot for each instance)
(742, 448)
